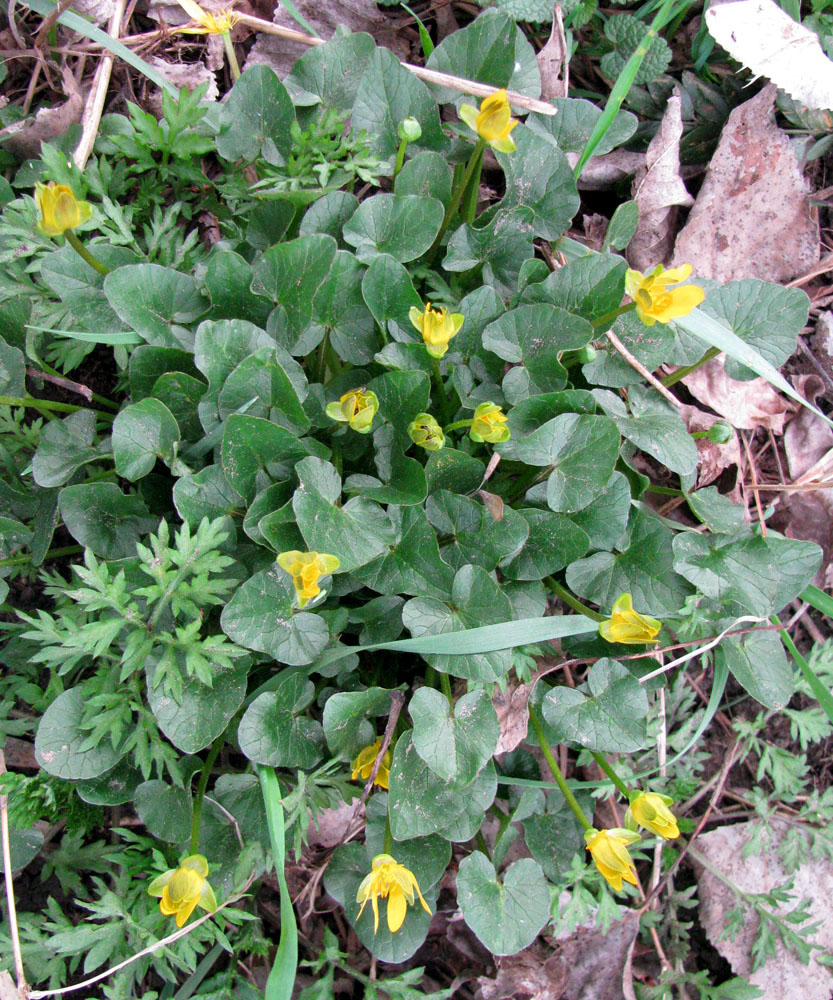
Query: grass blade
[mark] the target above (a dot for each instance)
(818, 599)
(624, 83)
(282, 977)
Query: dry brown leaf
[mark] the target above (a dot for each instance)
(713, 459)
(8, 990)
(745, 405)
(188, 75)
(658, 190)
(783, 977)
(752, 217)
(512, 707)
(324, 16)
(807, 437)
(98, 11)
(328, 826)
(604, 172)
(553, 61)
(24, 138)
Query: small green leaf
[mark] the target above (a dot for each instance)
(260, 616)
(206, 494)
(256, 117)
(274, 731)
(759, 664)
(340, 307)
(142, 433)
(590, 286)
(421, 803)
(203, 712)
(59, 739)
(456, 744)
(474, 535)
(402, 226)
(329, 214)
(622, 226)
(228, 278)
(539, 177)
(627, 32)
(148, 364)
(389, 293)
(164, 809)
(606, 518)
(346, 720)
(24, 846)
(388, 93)
(114, 788)
(554, 542)
(574, 121)
(260, 387)
(428, 175)
(501, 246)
(330, 74)
(12, 371)
(609, 713)
(64, 447)
(157, 302)
(100, 517)
(506, 915)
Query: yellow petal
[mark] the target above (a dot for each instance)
(397, 907)
(675, 275)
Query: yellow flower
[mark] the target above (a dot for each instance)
(650, 810)
(357, 408)
(654, 302)
(363, 765)
(426, 432)
(391, 881)
(59, 209)
(181, 889)
(209, 24)
(609, 850)
(306, 569)
(493, 123)
(436, 326)
(627, 626)
(489, 424)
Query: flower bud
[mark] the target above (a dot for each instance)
(424, 431)
(356, 408)
(720, 432)
(59, 209)
(489, 424)
(409, 130)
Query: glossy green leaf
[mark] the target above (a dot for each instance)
(402, 226)
(102, 518)
(142, 433)
(346, 719)
(59, 741)
(274, 731)
(157, 302)
(474, 536)
(455, 744)
(554, 541)
(759, 664)
(256, 117)
(164, 809)
(64, 447)
(501, 246)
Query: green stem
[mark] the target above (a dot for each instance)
(571, 800)
(471, 192)
(205, 774)
(457, 425)
(388, 844)
(612, 316)
(606, 766)
(451, 211)
(681, 373)
(67, 550)
(400, 158)
(480, 840)
(666, 491)
(50, 404)
(445, 405)
(571, 601)
(231, 56)
(84, 253)
(445, 684)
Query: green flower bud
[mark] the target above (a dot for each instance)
(720, 432)
(426, 432)
(409, 130)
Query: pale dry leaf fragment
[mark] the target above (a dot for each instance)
(325, 16)
(659, 191)
(553, 62)
(762, 36)
(746, 405)
(604, 172)
(189, 75)
(712, 458)
(24, 138)
(752, 217)
(97, 11)
(326, 828)
(512, 707)
(783, 977)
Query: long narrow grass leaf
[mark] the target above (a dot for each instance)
(72, 20)
(818, 599)
(623, 84)
(820, 692)
(715, 334)
(117, 337)
(282, 977)
(424, 37)
(299, 17)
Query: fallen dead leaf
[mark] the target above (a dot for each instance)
(603, 172)
(713, 459)
(783, 977)
(586, 965)
(658, 190)
(752, 217)
(327, 829)
(553, 61)
(24, 138)
(325, 16)
(512, 707)
(188, 75)
(745, 405)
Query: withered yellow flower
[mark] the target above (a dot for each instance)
(306, 569)
(356, 408)
(609, 850)
(394, 882)
(650, 809)
(209, 23)
(437, 327)
(59, 209)
(655, 303)
(489, 424)
(182, 889)
(424, 431)
(363, 765)
(493, 122)
(628, 626)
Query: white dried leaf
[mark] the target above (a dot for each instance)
(763, 37)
